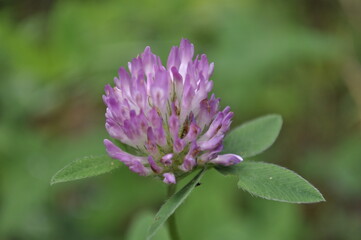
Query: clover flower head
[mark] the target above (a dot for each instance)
(167, 115)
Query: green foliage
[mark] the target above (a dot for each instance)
(85, 167)
(138, 230)
(273, 182)
(173, 203)
(253, 137)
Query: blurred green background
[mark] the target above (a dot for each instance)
(301, 59)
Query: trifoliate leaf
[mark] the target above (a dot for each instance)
(85, 167)
(273, 182)
(253, 137)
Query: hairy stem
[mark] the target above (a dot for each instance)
(172, 226)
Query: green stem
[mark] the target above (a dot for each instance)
(172, 226)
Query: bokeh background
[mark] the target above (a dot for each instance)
(300, 59)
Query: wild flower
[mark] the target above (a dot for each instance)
(166, 114)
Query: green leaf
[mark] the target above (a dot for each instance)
(273, 182)
(253, 137)
(172, 204)
(85, 167)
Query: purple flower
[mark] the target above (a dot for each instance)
(166, 114)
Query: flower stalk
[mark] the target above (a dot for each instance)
(172, 225)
